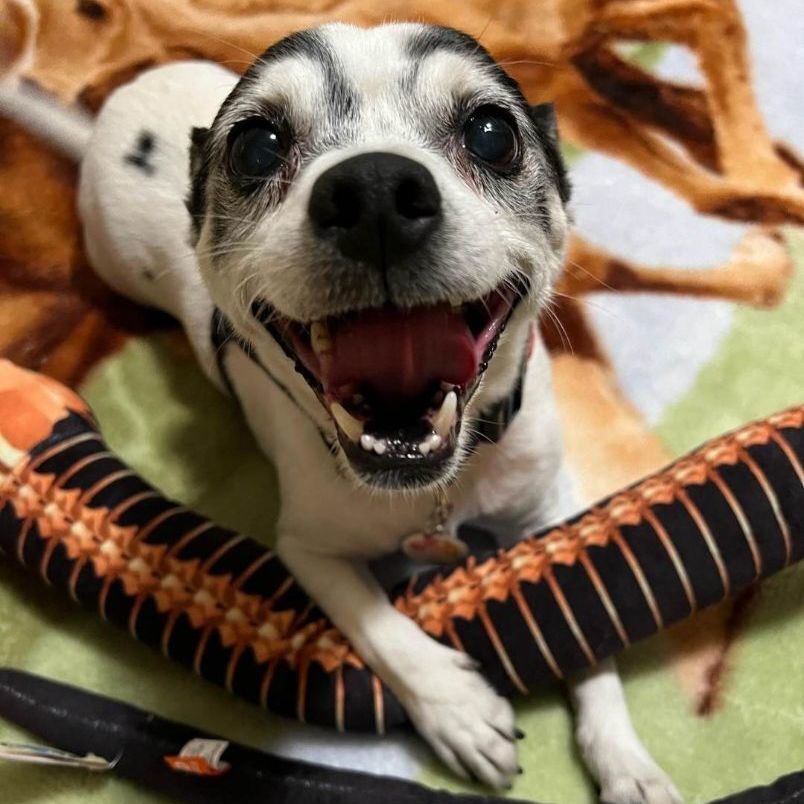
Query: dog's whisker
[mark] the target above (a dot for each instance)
(484, 29)
(589, 273)
(255, 57)
(225, 249)
(566, 341)
(514, 62)
(236, 62)
(586, 301)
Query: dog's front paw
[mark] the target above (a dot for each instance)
(468, 725)
(647, 788)
(634, 778)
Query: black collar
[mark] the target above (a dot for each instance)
(494, 421)
(489, 428)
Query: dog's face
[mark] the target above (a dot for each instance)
(383, 203)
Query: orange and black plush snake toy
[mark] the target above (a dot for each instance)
(709, 524)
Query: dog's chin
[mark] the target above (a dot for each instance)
(395, 381)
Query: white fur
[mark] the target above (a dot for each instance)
(136, 233)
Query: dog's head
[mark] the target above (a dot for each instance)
(381, 204)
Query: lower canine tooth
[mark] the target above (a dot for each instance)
(430, 444)
(434, 440)
(367, 442)
(445, 418)
(348, 423)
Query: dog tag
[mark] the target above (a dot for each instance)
(438, 547)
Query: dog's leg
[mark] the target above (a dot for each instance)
(468, 725)
(542, 491)
(609, 744)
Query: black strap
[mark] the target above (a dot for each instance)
(139, 742)
(222, 334)
(493, 422)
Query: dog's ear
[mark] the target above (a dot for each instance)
(199, 169)
(544, 118)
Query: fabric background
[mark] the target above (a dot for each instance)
(719, 700)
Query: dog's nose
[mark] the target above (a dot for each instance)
(376, 207)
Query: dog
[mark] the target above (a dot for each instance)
(358, 235)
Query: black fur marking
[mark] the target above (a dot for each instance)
(440, 37)
(222, 334)
(436, 38)
(199, 172)
(544, 118)
(341, 102)
(144, 147)
(342, 99)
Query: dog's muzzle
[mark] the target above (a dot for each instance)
(395, 379)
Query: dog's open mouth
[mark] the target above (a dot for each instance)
(396, 381)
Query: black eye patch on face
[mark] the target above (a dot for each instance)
(543, 116)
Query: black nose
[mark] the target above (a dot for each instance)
(376, 207)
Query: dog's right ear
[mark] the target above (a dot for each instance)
(196, 201)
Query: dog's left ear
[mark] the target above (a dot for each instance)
(544, 117)
(196, 201)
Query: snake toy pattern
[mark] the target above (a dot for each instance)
(708, 525)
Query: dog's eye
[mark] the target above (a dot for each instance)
(257, 151)
(491, 137)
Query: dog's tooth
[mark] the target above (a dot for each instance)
(348, 423)
(445, 418)
(319, 338)
(435, 441)
(430, 444)
(380, 446)
(367, 442)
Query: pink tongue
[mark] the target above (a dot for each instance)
(401, 353)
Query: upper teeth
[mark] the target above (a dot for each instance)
(348, 423)
(319, 338)
(445, 418)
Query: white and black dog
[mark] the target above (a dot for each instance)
(376, 218)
